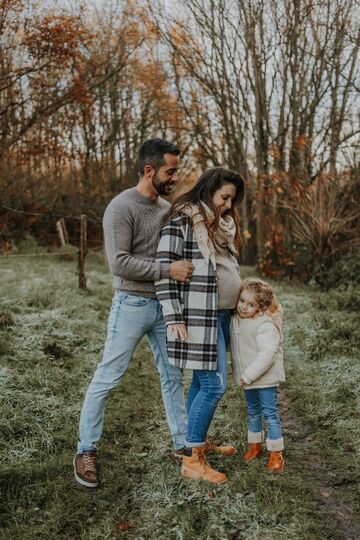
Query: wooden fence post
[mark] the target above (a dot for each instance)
(62, 231)
(82, 251)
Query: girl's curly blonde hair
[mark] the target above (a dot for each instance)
(264, 295)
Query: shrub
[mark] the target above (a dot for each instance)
(323, 233)
(344, 271)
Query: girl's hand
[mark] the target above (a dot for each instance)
(178, 331)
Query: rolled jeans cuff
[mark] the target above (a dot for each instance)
(194, 444)
(275, 445)
(255, 437)
(81, 448)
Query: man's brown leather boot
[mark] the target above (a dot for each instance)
(86, 469)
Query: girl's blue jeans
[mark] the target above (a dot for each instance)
(262, 405)
(208, 387)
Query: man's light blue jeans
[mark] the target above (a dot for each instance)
(132, 317)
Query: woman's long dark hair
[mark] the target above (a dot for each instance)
(203, 191)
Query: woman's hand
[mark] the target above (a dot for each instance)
(178, 331)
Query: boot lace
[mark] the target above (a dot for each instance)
(204, 464)
(90, 463)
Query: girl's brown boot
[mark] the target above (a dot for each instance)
(253, 452)
(195, 467)
(275, 462)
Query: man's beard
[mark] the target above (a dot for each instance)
(162, 188)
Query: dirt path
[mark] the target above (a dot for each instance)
(333, 494)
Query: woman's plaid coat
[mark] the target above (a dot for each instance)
(193, 304)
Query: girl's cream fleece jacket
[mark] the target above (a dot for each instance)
(256, 350)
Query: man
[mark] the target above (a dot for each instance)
(132, 224)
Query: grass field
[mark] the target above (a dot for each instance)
(51, 337)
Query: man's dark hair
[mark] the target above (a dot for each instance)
(152, 152)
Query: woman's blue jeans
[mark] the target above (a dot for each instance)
(208, 387)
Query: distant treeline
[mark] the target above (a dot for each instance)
(267, 88)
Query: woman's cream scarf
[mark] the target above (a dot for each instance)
(224, 236)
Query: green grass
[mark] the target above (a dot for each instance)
(51, 337)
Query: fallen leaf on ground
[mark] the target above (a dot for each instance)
(123, 526)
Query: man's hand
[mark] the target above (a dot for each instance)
(178, 331)
(181, 271)
(242, 382)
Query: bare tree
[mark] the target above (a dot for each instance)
(268, 88)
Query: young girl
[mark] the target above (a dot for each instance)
(257, 359)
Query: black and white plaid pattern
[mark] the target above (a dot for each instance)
(194, 303)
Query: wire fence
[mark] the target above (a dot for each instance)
(47, 254)
(52, 215)
(80, 251)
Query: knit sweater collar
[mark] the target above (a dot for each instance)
(140, 198)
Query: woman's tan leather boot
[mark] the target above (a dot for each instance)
(275, 462)
(253, 452)
(195, 467)
(223, 450)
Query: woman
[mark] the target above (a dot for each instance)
(202, 227)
